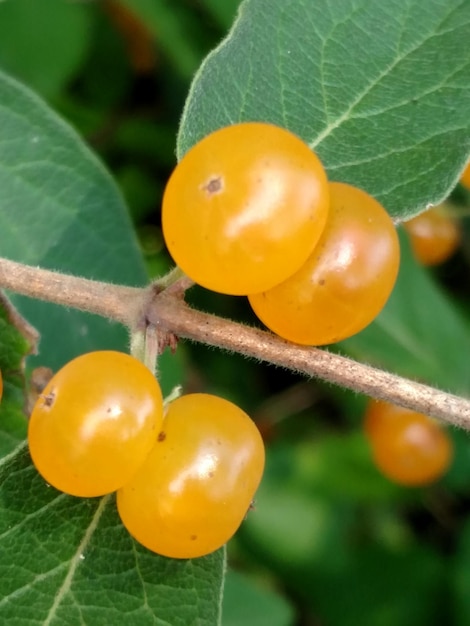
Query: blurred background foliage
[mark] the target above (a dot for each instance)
(331, 541)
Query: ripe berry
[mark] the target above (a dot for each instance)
(244, 208)
(345, 282)
(408, 447)
(196, 486)
(434, 236)
(95, 423)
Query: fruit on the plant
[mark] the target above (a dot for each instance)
(465, 178)
(244, 208)
(197, 484)
(434, 236)
(95, 423)
(345, 282)
(408, 447)
(376, 413)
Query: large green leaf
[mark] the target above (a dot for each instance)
(61, 210)
(63, 559)
(69, 561)
(389, 588)
(381, 90)
(247, 603)
(44, 43)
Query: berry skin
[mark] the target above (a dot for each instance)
(95, 423)
(465, 178)
(244, 208)
(345, 282)
(197, 484)
(408, 447)
(434, 236)
(376, 414)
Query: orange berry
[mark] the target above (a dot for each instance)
(244, 208)
(434, 236)
(408, 447)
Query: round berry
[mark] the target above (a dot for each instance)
(408, 447)
(197, 484)
(434, 236)
(244, 208)
(345, 282)
(95, 422)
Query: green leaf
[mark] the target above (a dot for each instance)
(455, 479)
(311, 532)
(69, 561)
(305, 503)
(419, 334)
(341, 467)
(460, 578)
(390, 588)
(44, 43)
(247, 602)
(17, 340)
(380, 90)
(61, 210)
(293, 525)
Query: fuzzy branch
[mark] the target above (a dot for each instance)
(111, 301)
(169, 314)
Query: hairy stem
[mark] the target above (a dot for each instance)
(168, 313)
(114, 302)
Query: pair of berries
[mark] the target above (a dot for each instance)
(249, 211)
(185, 476)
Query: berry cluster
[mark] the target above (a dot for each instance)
(408, 447)
(185, 476)
(249, 211)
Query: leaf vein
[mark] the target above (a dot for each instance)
(348, 113)
(75, 560)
